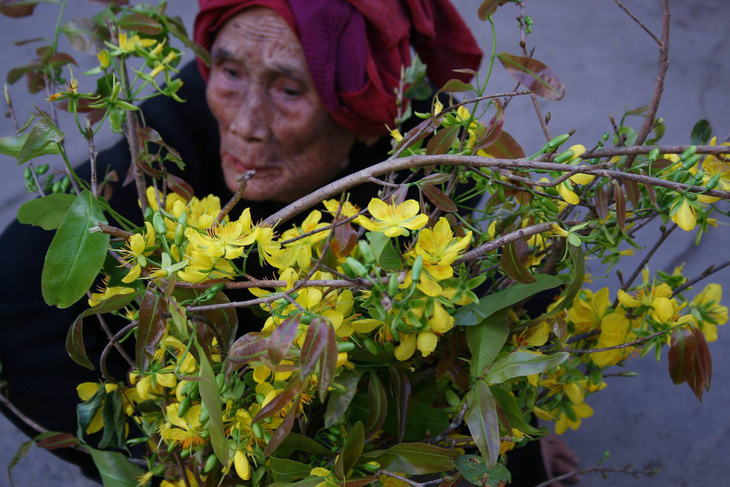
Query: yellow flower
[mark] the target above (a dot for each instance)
(715, 166)
(135, 251)
(439, 249)
(615, 330)
(407, 346)
(426, 342)
(394, 220)
(185, 432)
(243, 467)
(588, 309)
(98, 298)
(683, 214)
(395, 133)
(441, 321)
(566, 192)
(711, 312)
(105, 59)
(129, 45)
(348, 209)
(577, 412)
(85, 391)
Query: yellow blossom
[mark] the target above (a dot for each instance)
(564, 421)
(683, 214)
(129, 44)
(615, 330)
(712, 313)
(104, 58)
(392, 219)
(426, 342)
(407, 346)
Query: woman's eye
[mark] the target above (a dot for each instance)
(231, 72)
(291, 92)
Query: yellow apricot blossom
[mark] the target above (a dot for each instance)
(712, 313)
(394, 219)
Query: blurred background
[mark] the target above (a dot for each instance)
(608, 64)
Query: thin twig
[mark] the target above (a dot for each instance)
(113, 231)
(92, 157)
(108, 348)
(110, 336)
(706, 273)
(648, 256)
(662, 68)
(641, 24)
(633, 343)
(243, 179)
(645, 149)
(455, 424)
(596, 469)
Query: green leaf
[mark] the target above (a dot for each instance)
(473, 314)
(414, 458)
(351, 451)
(338, 403)
(86, 410)
(114, 420)
(12, 145)
(401, 387)
(520, 364)
(46, 212)
(115, 469)
(52, 440)
(151, 328)
(297, 442)
(378, 406)
(481, 418)
(75, 338)
(534, 75)
(455, 86)
(75, 256)
(512, 410)
(44, 132)
(486, 340)
(476, 471)
(512, 265)
(701, 133)
(383, 251)
(423, 420)
(141, 23)
(211, 399)
(19, 455)
(285, 470)
(488, 7)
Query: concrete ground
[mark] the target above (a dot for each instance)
(607, 63)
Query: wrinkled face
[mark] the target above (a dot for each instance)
(269, 113)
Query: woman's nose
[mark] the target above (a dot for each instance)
(251, 121)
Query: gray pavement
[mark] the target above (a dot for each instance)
(606, 62)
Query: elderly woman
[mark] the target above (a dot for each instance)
(299, 91)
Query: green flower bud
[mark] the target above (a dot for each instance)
(184, 406)
(417, 269)
(366, 252)
(654, 154)
(689, 152)
(714, 180)
(688, 163)
(393, 285)
(356, 267)
(210, 464)
(557, 141)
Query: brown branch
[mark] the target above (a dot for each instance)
(243, 179)
(504, 240)
(659, 82)
(92, 156)
(265, 283)
(391, 165)
(648, 256)
(456, 423)
(645, 149)
(113, 231)
(641, 24)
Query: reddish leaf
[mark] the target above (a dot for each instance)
(250, 347)
(180, 187)
(399, 195)
(284, 428)
(281, 339)
(225, 321)
(16, 73)
(620, 201)
(632, 191)
(481, 418)
(651, 192)
(328, 363)
(455, 86)
(435, 178)
(443, 367)
(513, 266)
(82, 106)
(344, 239)
(690, 360)
(601, 202)
(534, 75)
(439, 199)
(314, 344)
(351, 451)
(61, 58)
(292, 389)
(85, 35)
(442, 141)
(17, 8)
(52, 440)
(141, 23)
(402, 391)
(151, 327)
(410, 137)
(35, 82)
(491, 133)
(660, 165)
(488, 7)
(378, 405)
(505, 147)
(361, 482)
(458, 376)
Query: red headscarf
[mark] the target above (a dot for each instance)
(355, 48)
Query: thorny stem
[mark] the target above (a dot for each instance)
(243, 179)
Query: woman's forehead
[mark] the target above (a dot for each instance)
(259, 35)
